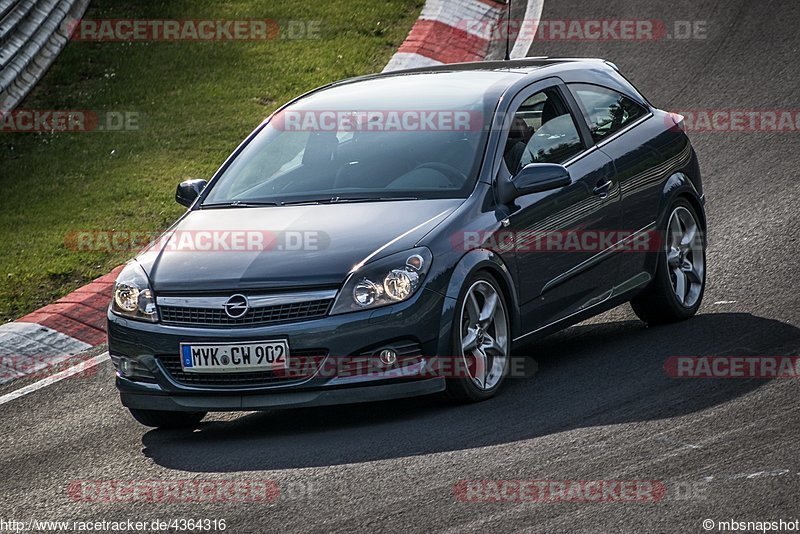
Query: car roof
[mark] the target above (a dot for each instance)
(498, 75)
(493, 79)
(523, 66)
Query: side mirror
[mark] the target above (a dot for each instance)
(188, 191)
(534, 178)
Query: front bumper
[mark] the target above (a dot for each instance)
(413, 323)
(136, 396)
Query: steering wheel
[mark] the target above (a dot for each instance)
(453, 175)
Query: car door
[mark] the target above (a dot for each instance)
(623, 129)
(559, 253)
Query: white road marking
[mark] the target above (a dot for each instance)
(533, 14)
(750, 476)
(773, 473)
(66, 373)
(721, 302)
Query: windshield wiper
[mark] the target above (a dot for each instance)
(327, 200)
(345, 200)
(240, 204)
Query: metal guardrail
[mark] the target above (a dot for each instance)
(32, 33)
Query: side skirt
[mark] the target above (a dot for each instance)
(624, 293)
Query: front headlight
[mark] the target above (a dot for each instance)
(386, 281)
(132, 295)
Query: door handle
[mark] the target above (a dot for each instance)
(602, 188)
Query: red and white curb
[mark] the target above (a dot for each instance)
(29, 347)
(447, 31)
(52, 334)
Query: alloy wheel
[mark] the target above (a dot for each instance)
(685, 258)
(484, 335)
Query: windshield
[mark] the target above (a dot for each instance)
(362, 141)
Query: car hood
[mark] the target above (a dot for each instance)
(284, 246)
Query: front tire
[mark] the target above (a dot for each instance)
(167, 420)
(677, 289)
(481, 341)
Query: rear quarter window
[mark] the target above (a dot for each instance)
(608, 111)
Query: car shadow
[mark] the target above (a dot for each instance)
(588, 375)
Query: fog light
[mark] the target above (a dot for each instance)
(126, 367)
(132, 369)
(387, 356)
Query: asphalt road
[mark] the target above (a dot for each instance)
(600, 407)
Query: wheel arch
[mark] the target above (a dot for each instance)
(678, 186)
(473, 262)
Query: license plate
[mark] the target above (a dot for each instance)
(234, 357)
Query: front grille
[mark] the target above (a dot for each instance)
(180, 315)
(302, 365)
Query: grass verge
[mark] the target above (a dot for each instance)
(193, 101)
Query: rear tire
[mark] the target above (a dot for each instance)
(680, 272)
(482, 330)
(166, 420)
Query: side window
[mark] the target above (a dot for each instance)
(542, 131)
(609, 111)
